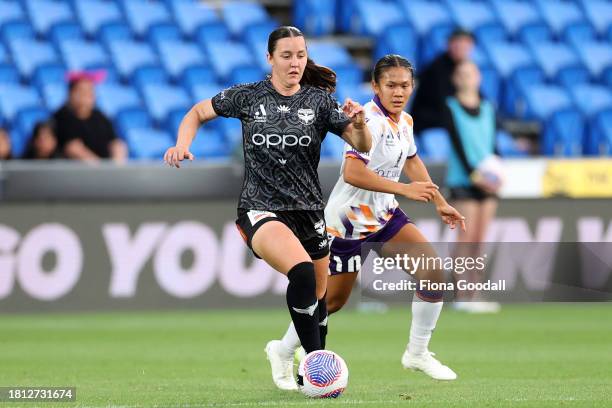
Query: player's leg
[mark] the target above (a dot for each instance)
(426, 305)
(275, 243)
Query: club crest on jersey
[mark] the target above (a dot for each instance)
(320, 227)
(260, 114)
(389, 139)
(306, 116)
(282, 109)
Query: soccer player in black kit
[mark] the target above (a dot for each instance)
(280, 213)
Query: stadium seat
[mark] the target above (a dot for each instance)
(563, 134)
(599, 140)
(225, 56)
(210, 144)
(163, 32)
(607, 77)
(29, 55)
(232, 130)
(197, 76)
(599, 14)
(46, 13)
(533, 34)
(177, 56)
(577, 34)
(93, 14)
(560, 14)
(15, 98)
(337, 58)
(398, 39)
(372, 17)
(130, 55)
(141, 15)
(10, 11)
(133, 118)
(245, 74)
(50, 74)
(591, 99)
(543, 100)
(332, 147)
(240, 14)
(149, 75)
(596, 56)
(148, 143)
(436, 144)
(191, 15)
(258, 33)
(15, 30)
(471, 15)
(515, 14)
(8, 74)
(113, 98)
(507, 146)
(361, 93)
(162, 99)
(314, 17)
(23, 127)
(507, 57)
(80, 54)
(490, 85)
(54, 95)
(434, 43)
(425, 15)
(260, 51)
(559, 62)
(210, 33)
(65, 31)
(112, 32)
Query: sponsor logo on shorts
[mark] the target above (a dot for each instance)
(323, 244)
(257, 215)
(319, 226)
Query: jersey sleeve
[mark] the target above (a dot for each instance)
(336, 120)
(230, 102)
(376, 130)
(412, 147)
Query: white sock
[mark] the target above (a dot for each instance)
(290, 341)
(424, 318)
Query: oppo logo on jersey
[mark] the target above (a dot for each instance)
(280, 140)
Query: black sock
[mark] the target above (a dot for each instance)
(303, 305)
(323, 320)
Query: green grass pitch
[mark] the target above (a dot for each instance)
(526, 356)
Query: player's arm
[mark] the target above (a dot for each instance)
(200, 113)
(356, 133)
(415, 170)
(359, 175)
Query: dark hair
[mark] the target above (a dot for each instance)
(30, 150)
(314, 75)
(391, 61)
(460, 32)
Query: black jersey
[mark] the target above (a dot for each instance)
(282, 138)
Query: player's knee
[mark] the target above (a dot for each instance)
(302, 279)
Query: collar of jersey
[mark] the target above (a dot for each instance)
(268, 82)
(382, 108)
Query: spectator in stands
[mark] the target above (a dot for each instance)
(435, 83)
(43, 143)
(473, 172)
(5, 145)
(83, 132)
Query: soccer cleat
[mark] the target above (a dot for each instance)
(282, 368)
(477, 307)
(428, 364)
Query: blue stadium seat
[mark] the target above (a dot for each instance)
(49, 74)
(29, 55)
(436, 144)
(259, 51)
(141, 15)
(113, 32)
(599, 13)
(133, 118)
(607, 77)
(560, 62)
(398, 39)
(513, 89)
(515, 14)
(372, 17)
(210, 144)
(434, 43)
(80, 54)
(490, 85)
(257, 33)
(15, 30)
(591, 99)
(163, 32)
(209, 33)
(148, 143)
(535, 33)
(162, 99)
(46, 13)
(596, 56)
(197, 76)
(472, 15)
(15, 98)
(563, 134)
(507, 146)
(315, 17)
(337, 58)
(93, 14)
(361, 93)
(177, 56)
(232, 130)
(10, 11)
(54, 95)
(149, 75)
(544, 100)
(560, 14)
(225, 56)
(65, 31)
(23, 126)
(507, 57)
(599, 140)
(113, 98)
(8, 74)
(127, 56)
(240, 14)
(576, 34)
(425, 15)
(332, 147)
(245, 74)
(191, 15)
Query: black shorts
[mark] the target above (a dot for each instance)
(469, 193)
(308, 227)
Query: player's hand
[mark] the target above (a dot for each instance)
(177, 154)
(355, 113)
(450, 216)
(420, 191)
